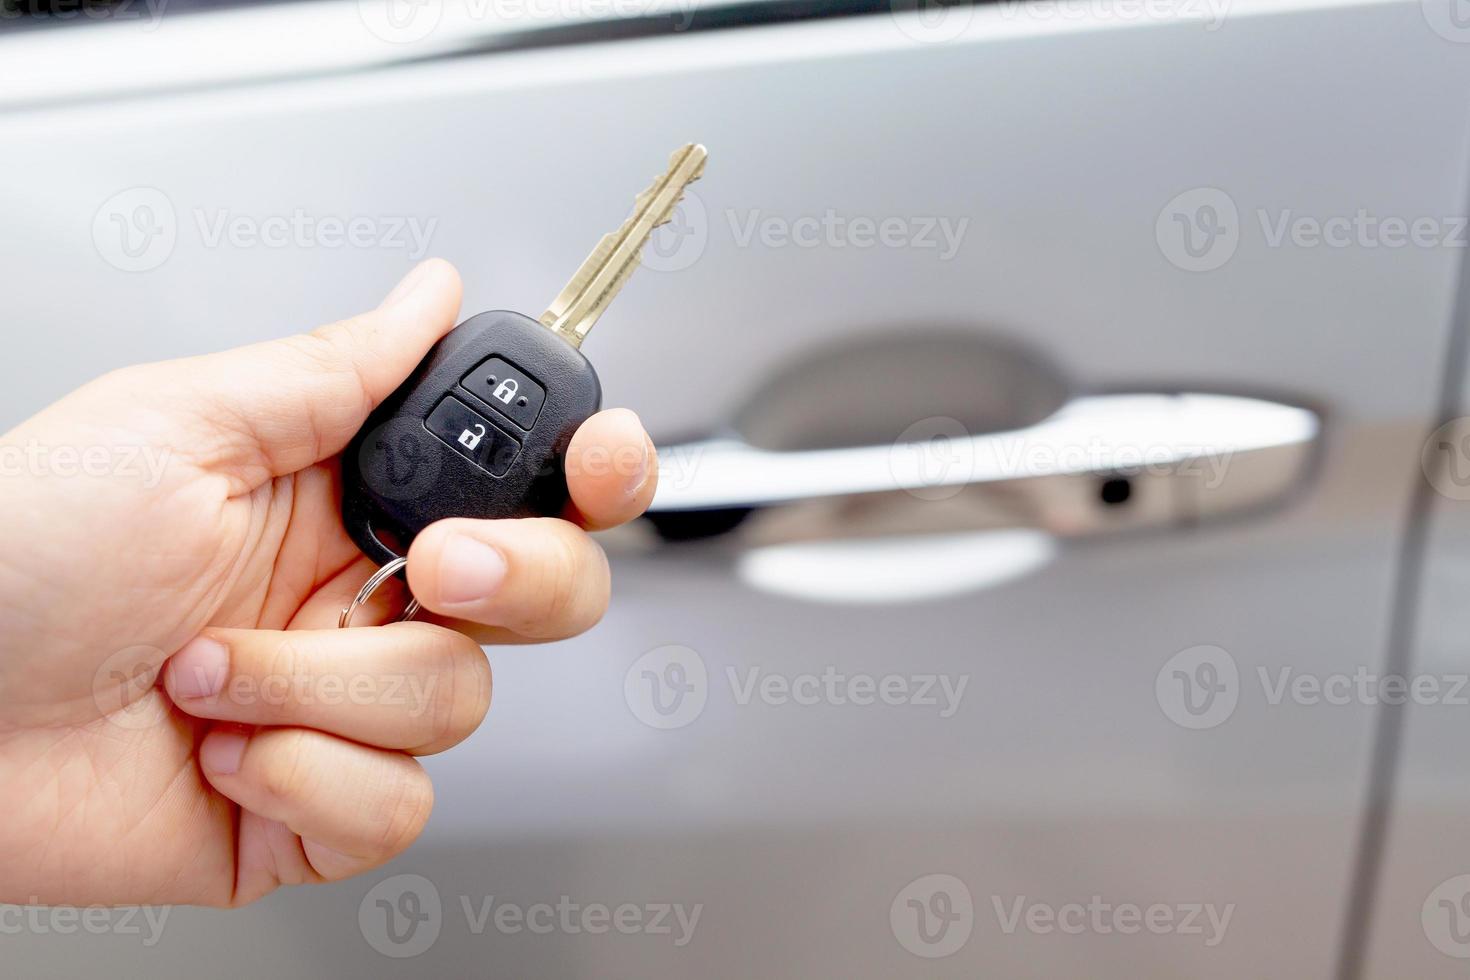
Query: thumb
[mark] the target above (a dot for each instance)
(280, 406)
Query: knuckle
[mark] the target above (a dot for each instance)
(563, 603)
(281, 668)
(318, 349)
(285, 771)
(330, 351)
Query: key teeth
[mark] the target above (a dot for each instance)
(641, 201)
(598, 280)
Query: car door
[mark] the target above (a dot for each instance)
(1040, 391)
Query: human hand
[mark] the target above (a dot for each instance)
(180, 720)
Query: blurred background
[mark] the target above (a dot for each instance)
(1059, 559)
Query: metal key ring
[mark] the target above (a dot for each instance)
(371, 585)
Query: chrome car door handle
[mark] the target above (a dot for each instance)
(1099, 463)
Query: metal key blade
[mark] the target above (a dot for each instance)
(576, 308)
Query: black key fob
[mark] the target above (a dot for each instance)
(480, 429)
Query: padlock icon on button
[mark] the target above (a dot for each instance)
(507, 390)
(469, 439)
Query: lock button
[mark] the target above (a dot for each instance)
(472, 436)
(507, 389)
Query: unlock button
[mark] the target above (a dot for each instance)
(472, 436)
(507, 389)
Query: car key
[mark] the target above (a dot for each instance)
(481, 427)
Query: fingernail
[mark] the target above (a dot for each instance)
(199, 669)
(469, 570)
(632, 426)
(639, 479)
(222, 751)
(406, 285)
(644, 467)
